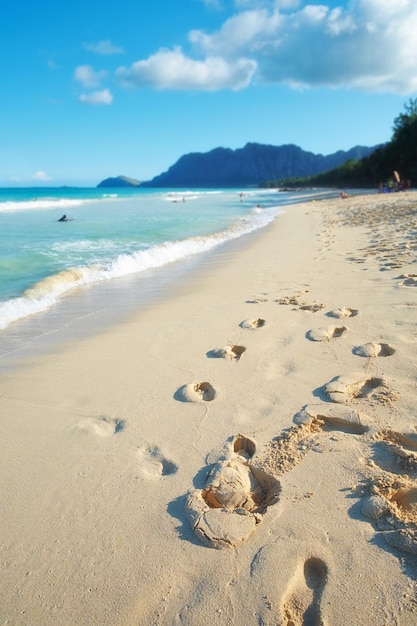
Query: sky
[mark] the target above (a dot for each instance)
(93, 88)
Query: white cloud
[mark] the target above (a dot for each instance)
(171, 69)
(105, 47)
(240, 34)
(41, 176)
(97, 97)
(368, 45)
(86, 75)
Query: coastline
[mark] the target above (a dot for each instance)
(107, 444)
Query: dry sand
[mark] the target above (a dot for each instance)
(243, 453)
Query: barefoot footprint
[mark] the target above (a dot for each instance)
(153, 464)
(257, 300)
(302, 605)
(343, 389)
(392, 506)
(332, 416)
(201, 391)
(372, 349)
(313, 307)
(408, 279)
(252, 324)
(343, 312)
(232, 351)
(403, 447)
(102, 426)
(326, 334)
(301, 304)
(235, 496)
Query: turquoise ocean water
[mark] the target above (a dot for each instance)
(118, 247)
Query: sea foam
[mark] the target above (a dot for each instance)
(40, 204)
(48, 291)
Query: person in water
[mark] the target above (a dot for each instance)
(64, 218)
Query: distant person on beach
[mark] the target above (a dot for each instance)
(343, 195)
(64, 218)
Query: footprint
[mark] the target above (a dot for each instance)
(102, 426)
(244, 447)
(399, 439)
(153, 464)
(408, 279)
(403, 447)
(200, 391)
(326, 334)
(313, 307)
(392, 506)
(346, 388)
(235, 497)
(235, 484)
(257, 300)
(252, 324)
(343, 312)
(405, 499)
(287, 300)
(301, 304)
(372, 349)
(284, 452)
(302, 605)
(334, 415)
(229, 352)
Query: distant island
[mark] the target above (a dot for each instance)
(251, 165)
(119, 181)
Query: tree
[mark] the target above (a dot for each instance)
(399, 154)
(404, 120)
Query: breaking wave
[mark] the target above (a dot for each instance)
(47, 292)
(40, 204)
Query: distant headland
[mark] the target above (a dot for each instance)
(251, 165)
(119, 181)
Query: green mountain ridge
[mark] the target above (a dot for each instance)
(251, 165)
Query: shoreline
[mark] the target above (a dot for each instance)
(112, 443)
(92, 309)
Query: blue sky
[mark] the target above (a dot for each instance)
(93, 88)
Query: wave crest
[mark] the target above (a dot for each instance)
(47, 292)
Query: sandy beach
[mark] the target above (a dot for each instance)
(243, 452)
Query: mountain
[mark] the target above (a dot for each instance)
(251, 165)
(119, 181)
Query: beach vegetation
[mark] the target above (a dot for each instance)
(399, 154)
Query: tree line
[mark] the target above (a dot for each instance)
(399, 154)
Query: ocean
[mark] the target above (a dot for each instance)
(118, 249)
